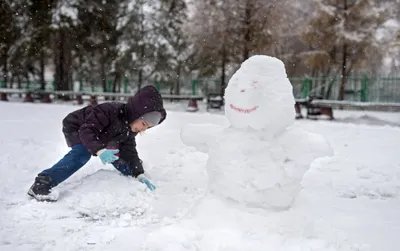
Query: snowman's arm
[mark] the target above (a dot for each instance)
(305, 146)
(200, 136)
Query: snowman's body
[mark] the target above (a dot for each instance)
(257, 172)
(247, 172)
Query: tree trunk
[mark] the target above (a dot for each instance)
(344, 72)
(19, 84)
(103, 73)
(63, 62)
(58, 59)
(140, 80)
(223, 69)
(117, 79)
(178, 78)
(5, 71)
(11, 81)
(344, 58)
(247, 35)
(68, 62)
(42, 69)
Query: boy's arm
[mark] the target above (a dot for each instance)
(129, 155)
(98, 119)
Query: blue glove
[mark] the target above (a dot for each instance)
(108, 155)
(144, 180)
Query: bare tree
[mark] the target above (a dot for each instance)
(211, 34)
(341, 35)
(225, 33)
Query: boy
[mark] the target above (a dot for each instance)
(108, 131)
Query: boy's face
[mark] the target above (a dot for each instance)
(140, 125)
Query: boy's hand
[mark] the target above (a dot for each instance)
(146, 181)
(108, 155)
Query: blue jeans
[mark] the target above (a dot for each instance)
(73, 161)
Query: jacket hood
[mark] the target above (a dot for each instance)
(146, 100)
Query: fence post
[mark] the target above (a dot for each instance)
(194, 86)
(306, 87)
(3, 96)
(109, 87)
(158, 85)
(126, 85)
(364, 90)
(79, 98)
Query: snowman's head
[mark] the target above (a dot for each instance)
(260, 96)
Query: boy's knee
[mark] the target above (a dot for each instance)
(84, 157)
(123, 167)
(82, 153)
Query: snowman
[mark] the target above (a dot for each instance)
(260, 159)
(255, 166)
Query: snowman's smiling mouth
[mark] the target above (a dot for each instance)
(243, 110)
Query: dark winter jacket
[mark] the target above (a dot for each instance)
(107, 124)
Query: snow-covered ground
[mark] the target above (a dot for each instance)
(350, 201)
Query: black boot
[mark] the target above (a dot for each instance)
(41, 189)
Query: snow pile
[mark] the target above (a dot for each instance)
(129, 204)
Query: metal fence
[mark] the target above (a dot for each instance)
(357, 88)
(361, 89)
(125, 86)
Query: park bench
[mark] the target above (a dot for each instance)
(314, 109)
(214, 101)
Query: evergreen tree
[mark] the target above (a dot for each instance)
(98, 34)
(63, 40)
(174, 51)
(138, 43)
(10, 32)
(40, 20)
